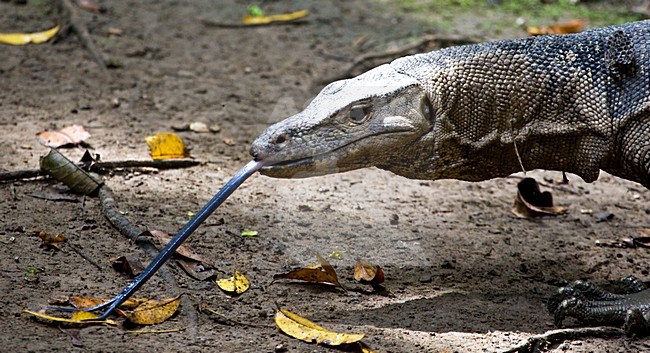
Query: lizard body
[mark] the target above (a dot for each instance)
(577, 103)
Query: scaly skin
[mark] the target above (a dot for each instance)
(576, 103)
(592, 305)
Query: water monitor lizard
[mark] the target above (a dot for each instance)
(576, 103)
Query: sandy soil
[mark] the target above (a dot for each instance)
(462, 273)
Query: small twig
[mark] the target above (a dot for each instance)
(537, 343)
(84, 256)
(212, 23)
(82, 31)
(20, 174)
(365, 61)
(102, 167)
(158, 164)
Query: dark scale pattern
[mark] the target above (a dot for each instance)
(577, 103)
(592, 305)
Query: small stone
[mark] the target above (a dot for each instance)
(181, 127)
(198, 126)
(215, 128)
(426, 278)
(394, 219)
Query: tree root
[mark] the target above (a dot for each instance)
(539, 343)
(367, 61)
(71, 14)
(103, 167)
(127, 229)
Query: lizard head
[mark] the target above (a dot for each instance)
(361, 122)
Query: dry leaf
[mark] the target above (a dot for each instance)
(262, 20)
(166, 145)
(305, 330)
(68, 136)
(51, 241)
(63, 170)
(196, 269)
(573, 26)
(237, 284)
(26, 38)
(78, 318)
(161, 239)
(367, 273)
(531, 202)
(131, 265)
(153, 312)
(323, 273)
(86, 302)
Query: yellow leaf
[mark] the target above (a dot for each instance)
(154, 311)
(86, 302)
(78, 318)
(305, 330)
(237, 284)
(166, 145)
(26, 38)
(261, 20)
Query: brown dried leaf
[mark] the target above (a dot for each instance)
(531, 202)
(196, 269)
(572, 26)
(130, 266)
(66, 137)
(153, 312)
(367, 273)
(50, 241)
(324, 273)
(161, 239)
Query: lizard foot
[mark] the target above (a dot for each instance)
(592, 305)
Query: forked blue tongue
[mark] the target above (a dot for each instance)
(180, 237)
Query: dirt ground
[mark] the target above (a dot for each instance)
(462, 273)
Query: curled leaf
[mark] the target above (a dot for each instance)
(131, 266)
(51, 241)
(323, 273)
(63, 170)
(367, 273)
(26, 38)
(261, 20)
(305, 330)
(153, 312)
(166, 145)
(531, 202)
(237, 284)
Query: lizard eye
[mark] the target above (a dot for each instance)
(358, 113)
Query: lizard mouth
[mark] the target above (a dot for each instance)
(338, 159)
